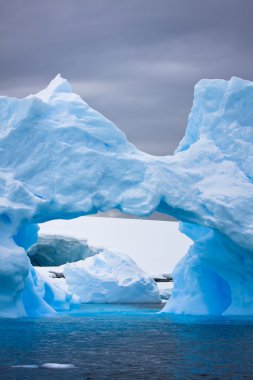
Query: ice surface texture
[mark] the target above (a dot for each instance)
(61, 159)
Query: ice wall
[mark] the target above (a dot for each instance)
(61, 159)
(56, 250)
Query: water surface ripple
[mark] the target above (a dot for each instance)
(126, 342)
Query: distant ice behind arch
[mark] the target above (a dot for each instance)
(156, 246)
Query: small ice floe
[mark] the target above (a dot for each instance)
(57, 366)
(46, 365)
(25, 366)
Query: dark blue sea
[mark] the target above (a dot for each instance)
(126, 342)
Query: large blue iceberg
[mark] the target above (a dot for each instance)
(61, 159)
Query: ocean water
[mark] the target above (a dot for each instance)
(126, 342)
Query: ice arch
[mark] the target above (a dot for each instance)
(61, 159)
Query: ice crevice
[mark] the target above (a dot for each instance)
(59, 158)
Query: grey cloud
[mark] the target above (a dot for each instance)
(136, 61)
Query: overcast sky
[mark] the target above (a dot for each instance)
(135, 61)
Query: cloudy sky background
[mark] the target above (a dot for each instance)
(135, 61)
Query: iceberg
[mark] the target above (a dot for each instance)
(70, 272)
(110, 278)
(55, 293)
(60, 159)
(104, 278)
(56, 250)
